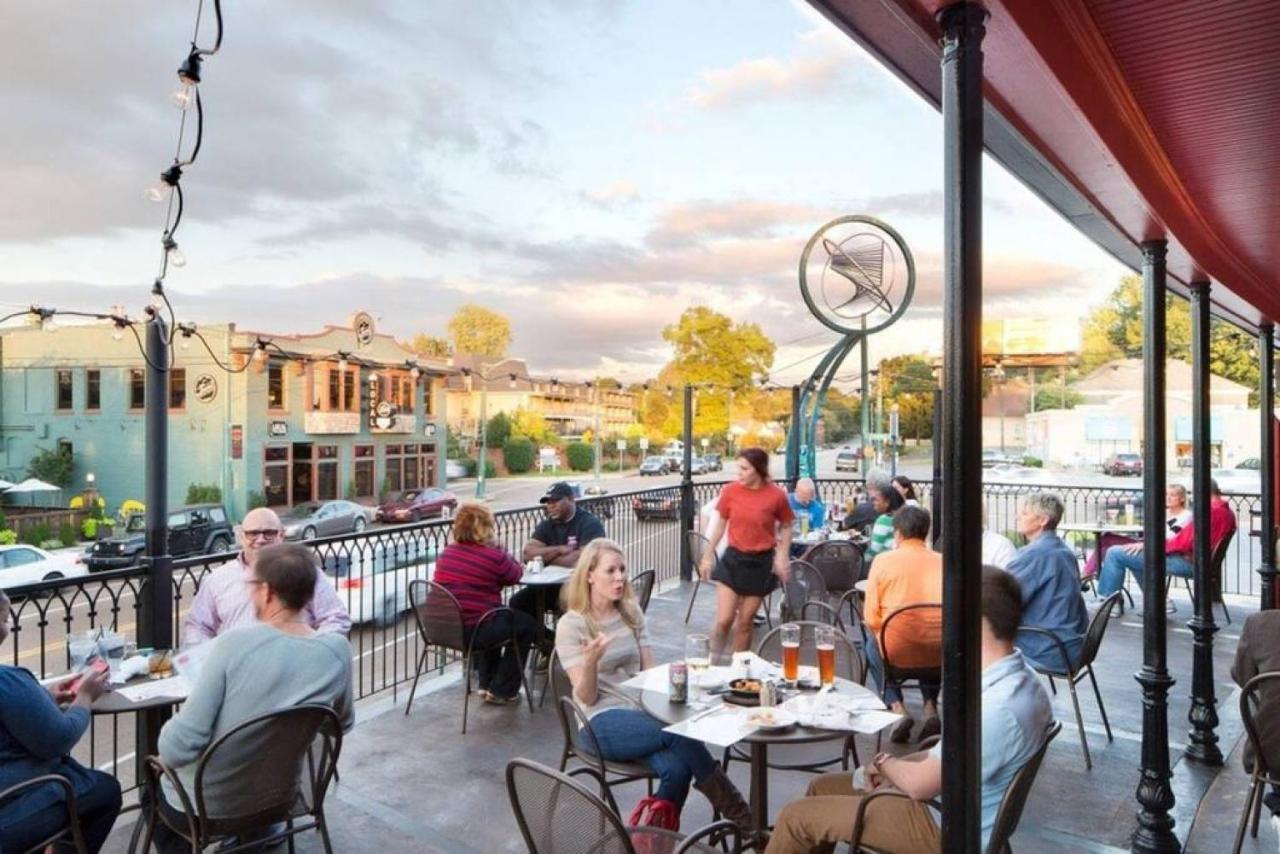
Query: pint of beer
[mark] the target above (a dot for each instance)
(825, 640)
(790, 653)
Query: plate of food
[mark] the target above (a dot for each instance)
(771, 717)
(746, 689)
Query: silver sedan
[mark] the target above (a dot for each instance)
(313, 519)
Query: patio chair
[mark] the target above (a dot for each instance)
(260, 774)
(1007, 817)
(849, 665)
(1251, 701)
(572, 718)
(805, 586)
(840, 563)
(903, 675)
(558, 814)
(1088, 652)
(69, 835)
(1216, 558)
(642, 584)
(698, 546)
(439, 619)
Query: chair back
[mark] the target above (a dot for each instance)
(849, 661)
(840, 563)
(805, 584)
(642, 584)
(928, 631)
(67, 836)
(698, 546)
(558, 815)
(1015, 797)
(254, 771)
(1260, 699)
(438, 615)
(1216, 557)
(1097, 628)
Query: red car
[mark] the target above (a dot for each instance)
(416, 504)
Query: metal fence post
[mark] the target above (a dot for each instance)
(1267, 405)
(686, 489)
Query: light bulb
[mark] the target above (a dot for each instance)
(48, 325)
(415, 373)
(176, 258)
(118, 333)
(183, 98)
(185, 342)
(342, 364)
(157, 193)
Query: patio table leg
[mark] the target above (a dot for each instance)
(760, 786)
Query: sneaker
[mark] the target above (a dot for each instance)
(494, 700)
(902, 731)
(932, 726)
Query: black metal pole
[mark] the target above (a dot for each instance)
(962, 34)
(1155, 796)
(155, 611)
(793, 436)
(1267, 403)
(1203, 716)
(936, 492)
(686, 489)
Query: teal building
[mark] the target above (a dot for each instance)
(347, 412)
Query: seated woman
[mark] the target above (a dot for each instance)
(601, 642)
(906, 489)
(1177, 517)
(38, 728)
(278, 663)
(886, 500)
(475, 568)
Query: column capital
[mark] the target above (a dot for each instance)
(1199, 289)
(1155, 250)
(1266, 327)
(963, 19)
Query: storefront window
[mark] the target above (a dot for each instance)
(326, 472)
(364, 471)
(275, 475)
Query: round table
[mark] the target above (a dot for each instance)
(113, 703)
(658, 704)
(551, 576)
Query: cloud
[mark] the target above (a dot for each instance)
(754, 81)
(689, 222)
(614, 193)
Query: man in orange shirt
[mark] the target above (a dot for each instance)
(910, 574)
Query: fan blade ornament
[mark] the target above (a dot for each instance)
(857, 277)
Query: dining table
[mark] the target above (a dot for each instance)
(1098, 529)
(542, 581)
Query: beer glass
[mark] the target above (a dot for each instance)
(825, 640)
(790, 653)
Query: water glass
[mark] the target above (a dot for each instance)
(112, 646)
(81, 645)
(697, 656)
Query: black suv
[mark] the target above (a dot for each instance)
(198, 529)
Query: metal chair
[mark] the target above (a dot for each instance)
(899, 674)
(1073, 675)
(439, 619)
(256, 772)
(1252, 700)
(1007, 817)
(698, 546)
(642, 583)
(805, 585)
(69, 835)
(1216, 558)
(559, 815)
(572, 718)
(840, 563)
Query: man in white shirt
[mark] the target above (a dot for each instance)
(997, 550)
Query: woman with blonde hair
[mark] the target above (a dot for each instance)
(601, 642)
(474, 568)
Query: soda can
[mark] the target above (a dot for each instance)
(678, 682)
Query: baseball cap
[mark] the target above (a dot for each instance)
(556, 491)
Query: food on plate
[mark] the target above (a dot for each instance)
(745, 686)
(763, 717)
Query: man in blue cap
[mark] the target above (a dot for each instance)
(558, 540)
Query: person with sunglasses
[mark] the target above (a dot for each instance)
(225, 598)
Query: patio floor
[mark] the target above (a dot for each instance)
(415, 784)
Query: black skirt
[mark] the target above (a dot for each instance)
(746, 573)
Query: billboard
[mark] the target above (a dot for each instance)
(1028, 335)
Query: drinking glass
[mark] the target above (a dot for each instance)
(81, 645)
(825, 640)
(697, 657)
(113, 651)
(790, 653)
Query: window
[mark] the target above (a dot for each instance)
(337, 390)
(92, 390)
(177, 388)
(411, 467)
(427, 408)
(395, 467)
(364, 471)
(403, 386)
(137, 389)
(177, 520)
(327, 472)
(216, 515)
(350, 379)
(18, 557)
(275, 386)
(275, 475)
(62, 380)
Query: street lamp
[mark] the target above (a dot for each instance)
(997, 374)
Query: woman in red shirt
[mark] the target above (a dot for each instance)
(757, 516)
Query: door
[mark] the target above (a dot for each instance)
(197, 532)
(301, 473)
(179, 534)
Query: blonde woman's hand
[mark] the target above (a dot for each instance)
(594, 650)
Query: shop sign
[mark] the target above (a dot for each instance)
(279, 428)
(237, 442)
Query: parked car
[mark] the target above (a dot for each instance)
(655, 466)
(313, 519)
(22, 564)
(675, 462)
(453, 470)
(1244, 478)
(697, 465)
(1123, 463)
(193, 530)
(372, 579)
(601, 508)
(413, 505)
(1009, 477)
(662, 506)
(714, 462)
(848, 459)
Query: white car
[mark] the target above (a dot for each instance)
(454, 470)
(21, 564)
(1245, 478)
(374, 581)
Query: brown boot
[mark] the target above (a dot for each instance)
(727, 800)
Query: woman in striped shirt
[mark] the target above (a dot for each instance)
(886, 500)
(475, 568)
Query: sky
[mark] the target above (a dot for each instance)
(588, 168)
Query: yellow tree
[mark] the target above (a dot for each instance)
(480, 331)
(710, 349)
(431, 345)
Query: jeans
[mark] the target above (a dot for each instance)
(500, 667)
(630, 735)
(98, 807)
(1118, 561)
(891, 690)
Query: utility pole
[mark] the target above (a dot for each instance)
(595, 433)
(482, 456)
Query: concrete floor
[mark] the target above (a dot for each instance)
(415, 784)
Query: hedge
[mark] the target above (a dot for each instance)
(581, 456)
(470, 465)
(518, 453)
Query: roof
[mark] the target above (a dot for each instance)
(1125, 375)
(1135, 120)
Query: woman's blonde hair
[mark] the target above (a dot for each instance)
(576, 595)
(473, 524)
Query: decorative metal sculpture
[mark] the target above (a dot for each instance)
(857, 276)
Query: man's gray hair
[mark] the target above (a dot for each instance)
(878, 480)
(1046, 504)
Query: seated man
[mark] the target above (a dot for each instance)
(558, 540)
(225, 598)
(908, 574)
(1178, 548)
(805, 505)
(1015, 715)
(1050, 577)
(997, 551)
(1259, 652)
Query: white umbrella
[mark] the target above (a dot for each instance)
(32, 485)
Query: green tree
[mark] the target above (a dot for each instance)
(431, 345)
(711, 350)
(908, 381)
(1053, 397)
(480, 331)
(497, 430)
(52, 465)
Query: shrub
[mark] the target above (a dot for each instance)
(351, 494)
(580, 455)
(8, 537)
(36, 534)
(129, 507)
(89, 527)
(50, 545)
(470, 465)
(497, 431)
(518, 453)
(67, 533)
(200, 493)
(52, 466)
(98, 509)
(256, 499)
(1033, 462)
